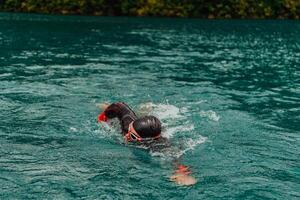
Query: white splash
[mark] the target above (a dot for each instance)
(192, 143)
(171, 131)
(175, 123)
(188, 145)
(210, 115)
(163, 111)
(73, 129)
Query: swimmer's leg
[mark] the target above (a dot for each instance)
(182, 175)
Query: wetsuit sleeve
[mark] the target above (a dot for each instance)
(112, 111)
(122, 112)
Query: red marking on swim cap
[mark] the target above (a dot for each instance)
(102, 117)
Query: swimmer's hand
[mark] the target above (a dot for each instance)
(102, 106)
(182, 176)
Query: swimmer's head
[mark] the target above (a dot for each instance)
(147, 127)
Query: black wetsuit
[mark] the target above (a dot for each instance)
(123, 113)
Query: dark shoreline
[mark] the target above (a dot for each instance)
(204, 9)
(47, 15)
(136, 16)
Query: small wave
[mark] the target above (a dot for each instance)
(110, 130)
(163, 111)
(171, 131)
(192, 143)
(73, 129)
(5, 75)
(210, 115)
(174, 152)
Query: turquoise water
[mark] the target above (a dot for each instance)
(227, 92)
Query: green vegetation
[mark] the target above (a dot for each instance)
(170, 8)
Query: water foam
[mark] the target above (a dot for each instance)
(192, 143)
(162, 111)
(176, 152)
(175, 125)
(210, 115)
(173, 130)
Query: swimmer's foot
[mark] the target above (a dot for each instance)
(183, 179)
(182, 176)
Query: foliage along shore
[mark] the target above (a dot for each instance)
(253, 9)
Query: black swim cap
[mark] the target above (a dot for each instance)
(147, 127)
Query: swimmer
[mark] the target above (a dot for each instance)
(144, 130)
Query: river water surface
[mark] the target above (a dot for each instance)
(227, 92)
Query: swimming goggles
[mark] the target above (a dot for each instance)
(133, 136)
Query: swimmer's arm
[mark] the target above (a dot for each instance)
(110, 110)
